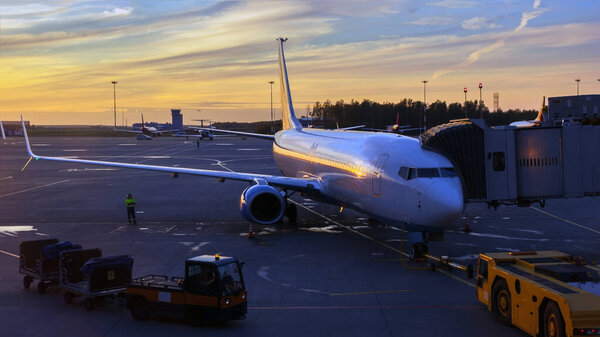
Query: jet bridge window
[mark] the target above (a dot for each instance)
(498, 162)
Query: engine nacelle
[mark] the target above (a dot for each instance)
(262, 204)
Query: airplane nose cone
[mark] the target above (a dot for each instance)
(447, 205)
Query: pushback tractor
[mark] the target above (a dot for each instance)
(544, 293)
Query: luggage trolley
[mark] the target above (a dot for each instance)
(86, 273)
(38, 260)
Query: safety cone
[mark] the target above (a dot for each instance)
(250, 232)
(467, 227)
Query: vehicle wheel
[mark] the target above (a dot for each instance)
(195, 316)
(68, 297)
(41, 287)
(291, 212)
(554, 326)
(501, 302)
(27, 281)
(139, 308)
(88, 304)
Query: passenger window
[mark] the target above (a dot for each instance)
(428, 172)
(447, 172)
(498, 161)
(403, 172)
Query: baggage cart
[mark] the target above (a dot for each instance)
(85, 273)
(38, 260)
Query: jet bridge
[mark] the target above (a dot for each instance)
(558, 158)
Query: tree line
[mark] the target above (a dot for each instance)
(409, 112)
(379, 115)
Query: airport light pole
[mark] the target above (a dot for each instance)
(577, 80)
(465, 90)
(115, 100)
(480, 112)
(272, 123)
(424, 105)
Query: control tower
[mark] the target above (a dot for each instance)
(177, 119)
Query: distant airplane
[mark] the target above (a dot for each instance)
(536, 122)
(147, 130)
(202, 131)
(389, 177)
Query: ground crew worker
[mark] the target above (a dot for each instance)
(198, 142)
(130, 202)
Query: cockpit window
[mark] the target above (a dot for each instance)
(447, 172)
(408, 173)
(428, 172)
(403, 172)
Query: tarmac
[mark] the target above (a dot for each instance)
(331, 274)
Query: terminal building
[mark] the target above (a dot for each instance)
(175, 125)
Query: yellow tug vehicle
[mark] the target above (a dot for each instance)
(544, 293)
(212, 290)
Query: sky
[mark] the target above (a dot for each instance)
(214, 59)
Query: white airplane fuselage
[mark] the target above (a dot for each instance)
(360, 170)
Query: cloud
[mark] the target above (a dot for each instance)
(432, 21)
(117, 12)
(454, 4)
(358, 8)
(475, 56)
(478, 23)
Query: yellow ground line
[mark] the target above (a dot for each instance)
(9, 254)
(565, 220)
(456, 277)
(378, 242)
(33, 188)
(374, 292)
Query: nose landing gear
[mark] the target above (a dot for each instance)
(418, 251)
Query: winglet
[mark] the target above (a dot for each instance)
(287, 109)
(27, 139)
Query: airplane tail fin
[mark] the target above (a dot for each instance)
(287, 109)
(142, 120)
(540, 116)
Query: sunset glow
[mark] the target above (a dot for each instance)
(213, 59)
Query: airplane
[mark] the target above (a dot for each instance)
(536, 122)
(146, 130)
(388, 177)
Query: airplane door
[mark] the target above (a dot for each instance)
(377, 174)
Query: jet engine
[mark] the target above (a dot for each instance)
(262, 204)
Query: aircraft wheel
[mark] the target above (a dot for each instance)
(27, 281)
(554, 325)
(501, 302)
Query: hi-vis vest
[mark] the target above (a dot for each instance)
(130, 202)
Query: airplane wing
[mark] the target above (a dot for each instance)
(353, 127)
(164, 131)
(247, 134)
(297, 184)
(125, 130)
